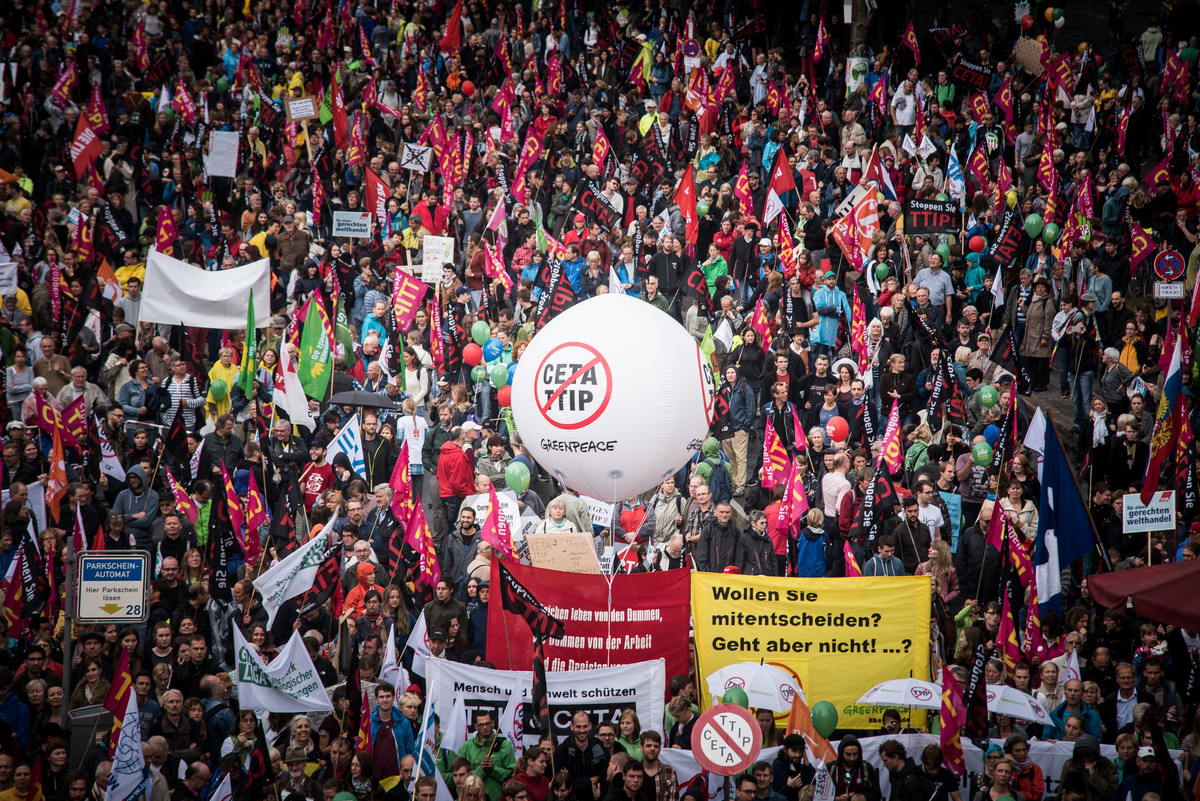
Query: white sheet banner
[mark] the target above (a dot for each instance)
(8, 279)
(176, 292)
(291, 576)
(604, 693)
(289, 684)
(222, 157)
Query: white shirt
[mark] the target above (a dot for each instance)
(931, 516)
(1125, 709)
(834, 486)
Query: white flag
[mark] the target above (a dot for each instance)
(291, 576)
(512, 724)
(910, 147)
(289, 684)
(927, 148)
(1035, 437)
(389, 669)
(110, 465)
(418, 641)
(224, 791)
(129, 777)
(289, 394)
(998, 287)
(614, 282)
(1072, 671)
(349, 442)
(454, 727)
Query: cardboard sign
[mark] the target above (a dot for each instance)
(352, 224)
(438, 250)
(416, 158)
(596, 207)
(1028, 53)
(932, 217)
(975, 76)
(300, 109)
(572, 553)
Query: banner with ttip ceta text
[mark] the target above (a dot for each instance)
(643, 617)
(838, 636)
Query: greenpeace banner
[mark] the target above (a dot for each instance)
(603, 693)
(289, 684)
(292, 576)
(642, 616)
(176, 292)
(838, 636)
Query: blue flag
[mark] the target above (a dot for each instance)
(1065, 530)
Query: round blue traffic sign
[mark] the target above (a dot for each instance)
(1169, 265)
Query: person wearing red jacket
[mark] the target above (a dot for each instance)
(456, 469)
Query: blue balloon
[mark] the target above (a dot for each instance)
(512, 370)
(493, 349)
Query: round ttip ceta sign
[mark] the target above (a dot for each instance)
(726, 740)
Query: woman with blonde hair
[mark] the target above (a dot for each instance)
(938, 567)
(226, 372)
(556, 521)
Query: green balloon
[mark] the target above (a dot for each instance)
(222, 84)
(1033, 225)
(702, 207)
(943, 250)
(170, 113)
(881, 271)
(479, 372)
(218, 389)
(499, 376)
(824, 718)
(354, 65)
(1050, 233)
(988, 396)
(942, 196)
(1058, 14)
(516, 477)
(735, 695)
(981, 452)
(480, 332)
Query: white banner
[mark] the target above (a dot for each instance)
(289, 684)
(291, 576)
(1158, 515)
(600, 512)
(176, 292)
(352, 224)
(604, 693)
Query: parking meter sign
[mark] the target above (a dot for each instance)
(729, 740)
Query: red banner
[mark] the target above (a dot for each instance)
(646, 619)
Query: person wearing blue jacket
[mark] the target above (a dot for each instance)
(831, 303)
(1072, 704)
(735, 418)
(384, 719)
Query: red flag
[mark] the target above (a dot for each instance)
(852, 568)
(775, 458)
(952, 717)
(1006, 637)
(236, 518)
(1160, 173)
(78, 536)
(1143, 246)
(57, 489)
(495, 528)
(377, 195)
(85, 147)
(793, 506)
(363, 741)
(909, 40)
(741, 190)
(822, 40)
(453, 39)
(891, 452)
(14, 598)
(685, 198)
(183, 501)
(782, 182)
(341, 123)
(97, 115)
(256, 515)
(419, 538)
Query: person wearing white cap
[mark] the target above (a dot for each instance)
(1148, 779)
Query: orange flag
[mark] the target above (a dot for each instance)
(800, 722)
(58, 475)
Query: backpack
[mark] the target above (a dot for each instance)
(719, 483)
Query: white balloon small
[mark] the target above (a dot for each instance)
(612, 397)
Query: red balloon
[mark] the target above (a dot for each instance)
(468, 88)
(504, 395)
(1027, 23)
(977, 243)
(837, 429)
(472, 354)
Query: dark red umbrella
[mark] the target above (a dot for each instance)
(1163, 593)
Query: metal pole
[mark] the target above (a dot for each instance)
(68, 611)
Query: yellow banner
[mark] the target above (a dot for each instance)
(838, 636)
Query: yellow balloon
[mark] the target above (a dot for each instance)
(1041, 38)
(1011, 198)
(880, 198)
(1049, 15)
(1082, 48)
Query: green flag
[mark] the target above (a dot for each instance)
(325, 112)
(316, 360)
(249, 352)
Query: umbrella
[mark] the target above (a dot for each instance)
(766, 686)
(1162, 593)
(1005, 700)
(904, 692)
(354, 397)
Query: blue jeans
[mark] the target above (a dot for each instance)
(1082, 392)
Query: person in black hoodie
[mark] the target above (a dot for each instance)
(932, 781)
(853, 775)
(757, 549)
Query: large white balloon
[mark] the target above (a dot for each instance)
(612, 397)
